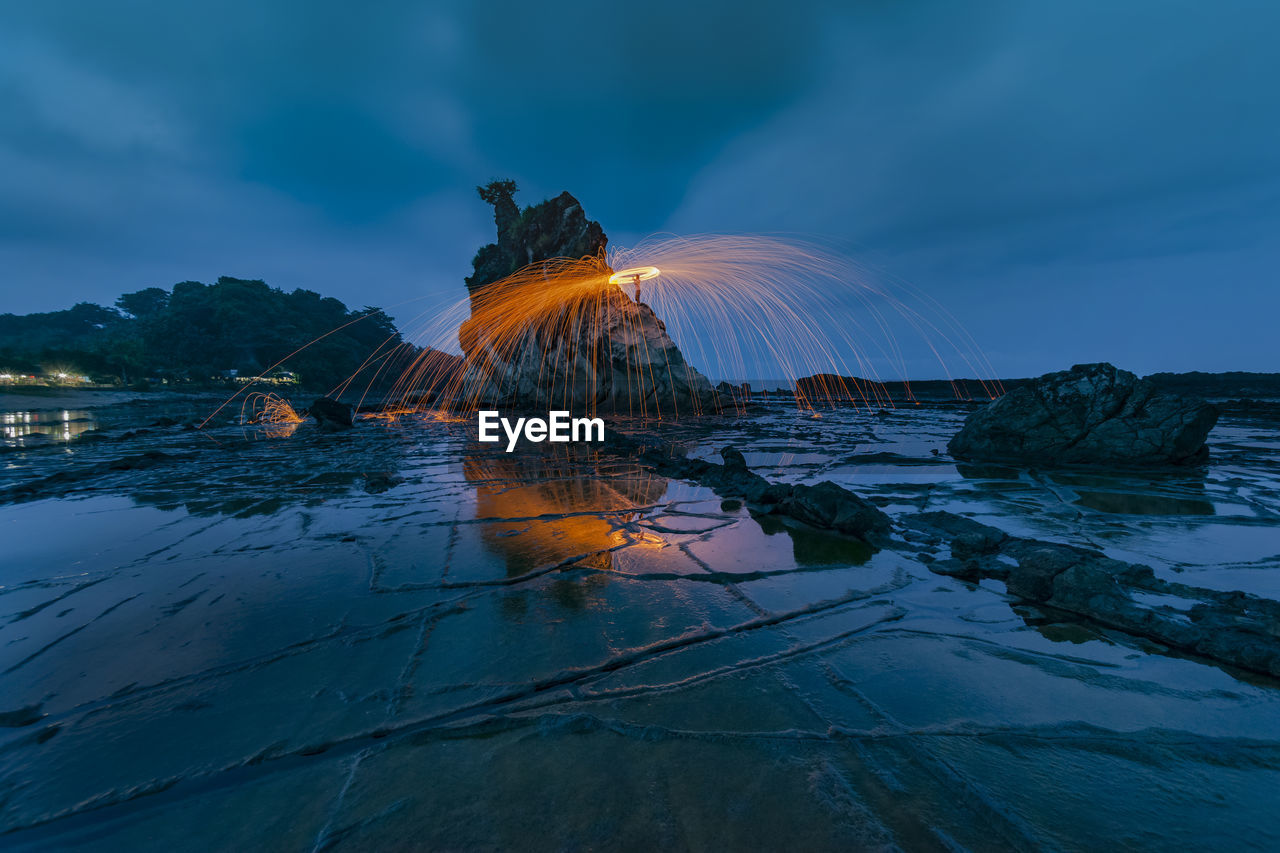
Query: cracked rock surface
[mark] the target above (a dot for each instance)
(284, 638)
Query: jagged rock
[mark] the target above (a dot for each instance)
(619, 359)
(1090, 414)
(332, 415)
(556, 228)
(1231, 627)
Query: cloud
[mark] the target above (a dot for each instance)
(987, 151)
(46, 92)
(1035, 167)
(946, 127)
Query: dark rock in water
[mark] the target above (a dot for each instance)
(834, 507)
(827, 506)
(1090, 414)
(379, 482)
(1234, 628)
(733, 459)
(332, 414)
(621, 360)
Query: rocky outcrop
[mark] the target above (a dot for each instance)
(1234, 628)
(1088, 415)
(556, 228)
(332, 415)
(827, 505)
(601, 353)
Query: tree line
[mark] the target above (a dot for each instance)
(200, 333)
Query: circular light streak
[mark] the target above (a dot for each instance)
(634, 275)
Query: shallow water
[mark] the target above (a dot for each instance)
(18, 428)
(398, 636)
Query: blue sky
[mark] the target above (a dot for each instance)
(1073, 181)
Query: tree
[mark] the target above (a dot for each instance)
(144, 303)
(500, 195)
(198, 331)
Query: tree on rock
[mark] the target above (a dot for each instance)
(501, 194)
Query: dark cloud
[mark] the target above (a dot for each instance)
(1015, 160)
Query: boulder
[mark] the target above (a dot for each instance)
(833, 507)
(332, 415)
(1092, 414)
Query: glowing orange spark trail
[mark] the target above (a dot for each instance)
(563, 333)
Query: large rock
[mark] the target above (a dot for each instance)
(621, 361)
(605, 353)
(1090, 414)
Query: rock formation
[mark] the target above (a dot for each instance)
(620, 358)
(1231, 627)
(1090, 414)
(332, 415)
(556, 228)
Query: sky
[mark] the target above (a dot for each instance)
(1073, 182)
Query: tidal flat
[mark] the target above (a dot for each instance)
(269, 637)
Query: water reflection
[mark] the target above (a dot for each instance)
(987, 471)
(553, 507)
(813, 547)
(1129, 503)
(1156, 492)
(59, 425)
(260, 431)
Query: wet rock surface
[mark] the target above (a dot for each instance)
(1234, 628)
(1092, 414)
(279, 638)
